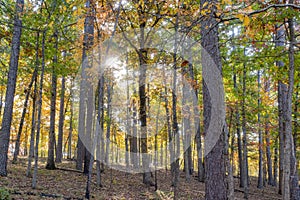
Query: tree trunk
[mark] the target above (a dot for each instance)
(88, 42)
(260, 140)
(175, 127)
(109, 91)
(17, 146)
(169, 129)
(214, 107)
(238, 133)
(39, 110)
(59, 155)
(275, 169)
(290, 177)
(51, 144)
(134, 141)
(10, 88)
(268, 154)
(128, 127)
(142, 54)
(69, 156)
(279, 42)
(33, 121)
(245, 142)
(186, 103)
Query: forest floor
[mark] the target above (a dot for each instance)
(62, 184)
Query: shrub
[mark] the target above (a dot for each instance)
(4, 194)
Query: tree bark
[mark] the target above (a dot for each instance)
(51, 144)
(59, 155)
(109, 91)
(17, 146)
(260, 140)
(10, 88)
(245, 141)
(88, 41)
(290, 177)
(279, 42)
(69, 156)
(215, 178)
(33, 115)
(39, 110)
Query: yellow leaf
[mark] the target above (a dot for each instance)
(240, 16)
(205, 4)
(246, 20)
(228, 2)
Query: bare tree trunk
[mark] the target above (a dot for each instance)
(88, 42)
(128, 127)
(290, 168)
(17, 146)
(109, 91)
(51, 144)
(33, 115)
(268, 154)
(279, 42)
(169, 129)
(175, 127)
(59, 155)
(186, 103)
(69, 156)
(143, 107)
(198, 134)
(215, 169)
(10, 88)
(39, 110)
(238, 132)
(245, 143)
(275, 169)
(260, 140)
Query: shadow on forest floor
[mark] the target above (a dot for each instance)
(68, 184)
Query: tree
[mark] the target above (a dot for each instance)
(51, 144)
(59, 156)
(215, 180)
(82, 153)
(10, 88)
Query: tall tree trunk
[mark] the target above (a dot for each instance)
(238, 132)
(51, 144)
(69, 155)
(275, 169)
(61, 122)
(142, 54)
(268, 143)
(282, 89)
(134, 140)
(175, 127)
(39, 110)
(10, 88)
(128, 127)
(245, 142)
(169, 129)
(33, 116)
(214, 106)
(17, 146)
(200, 164)
(100, 121)
(290, 177)
(88, 41)
(260, 140)
(109, 91)
(268, 155)
(186, 103)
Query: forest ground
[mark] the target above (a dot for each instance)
(62, 184)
